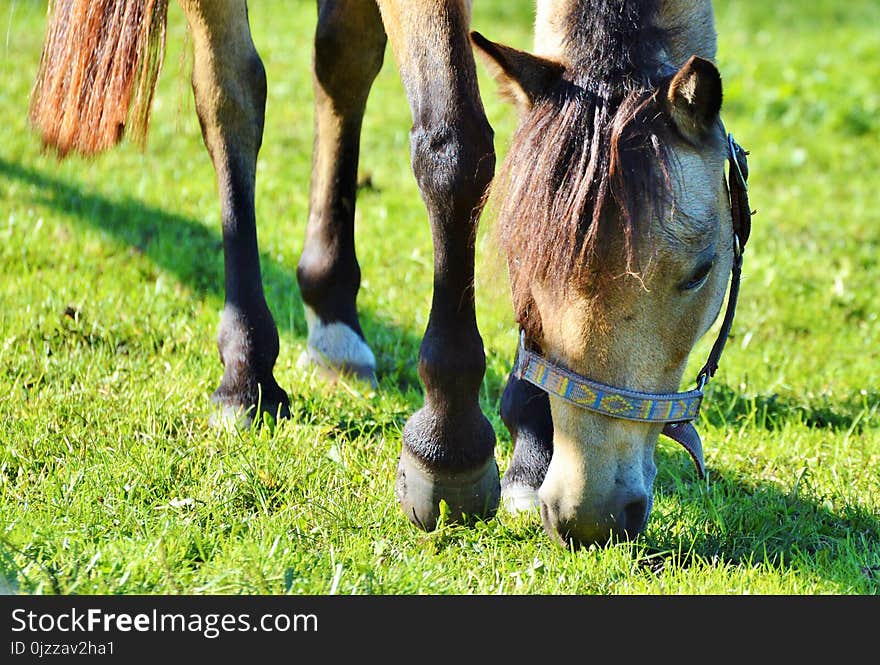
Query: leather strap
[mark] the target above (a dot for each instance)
(741, 217)
(739, 191)
(711, 365)
(686, 435)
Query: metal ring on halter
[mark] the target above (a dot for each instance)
(702, 380)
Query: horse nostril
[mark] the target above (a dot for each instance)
(572, 530)
(634, 514)
(552, 526)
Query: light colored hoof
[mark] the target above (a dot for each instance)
(469, 495)
(520, 499)
(311, 359)
(335, 350)
(229, 418)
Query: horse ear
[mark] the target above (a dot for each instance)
(522, 77)
(694, 98)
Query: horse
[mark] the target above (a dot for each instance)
(619, 227)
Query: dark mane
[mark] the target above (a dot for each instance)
(614, 41)
(582, 162)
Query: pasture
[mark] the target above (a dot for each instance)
(111, 276)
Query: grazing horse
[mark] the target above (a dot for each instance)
(613, 211)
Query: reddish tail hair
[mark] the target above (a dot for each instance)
(99, 68)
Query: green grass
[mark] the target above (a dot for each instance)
(111, 480)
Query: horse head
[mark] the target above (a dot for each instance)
(615, 217)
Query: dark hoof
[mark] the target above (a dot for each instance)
(241, 413)
(470, 495)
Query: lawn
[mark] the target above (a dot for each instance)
(112, 481)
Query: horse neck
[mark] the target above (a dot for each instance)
(689, 24)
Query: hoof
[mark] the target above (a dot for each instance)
(519, 498)
(470, 495)
(335, 350)
(241, 414)
(313, 359)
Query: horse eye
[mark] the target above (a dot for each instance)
(698, 277)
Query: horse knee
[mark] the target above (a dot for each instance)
(453, 162)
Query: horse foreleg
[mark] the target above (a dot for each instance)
(525, 410)
(349, 48)
(229, 83)
(448, 445)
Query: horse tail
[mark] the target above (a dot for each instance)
(98, 73)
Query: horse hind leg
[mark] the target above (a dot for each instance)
(348, 53)
(229, 84)
(448, 445)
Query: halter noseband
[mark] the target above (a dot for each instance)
(676, 411)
